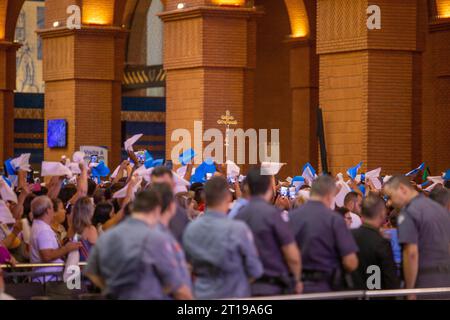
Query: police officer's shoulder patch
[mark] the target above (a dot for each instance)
(401, 218)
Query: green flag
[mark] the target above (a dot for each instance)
(426, 173)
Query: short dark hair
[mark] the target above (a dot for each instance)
(258, 184)
(146, 201)
(166, 194)
(398, 180)
(216, 190)
(92, 186)
(67, 192)
(372, 206)
(441, 196)
(351, 196)
(102, 213)
(323, 186)
(161, 171)
(342, 210)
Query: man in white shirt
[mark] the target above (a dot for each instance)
(353, 202)
(44, 244)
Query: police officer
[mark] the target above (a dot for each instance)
(327, 247)
(168, 211)
(221, 250)
(273, 238)
(178, 223)
(134, 260)
(424, 232)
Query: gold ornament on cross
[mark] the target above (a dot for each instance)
(227, 119)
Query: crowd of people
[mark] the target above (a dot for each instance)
(149, 232)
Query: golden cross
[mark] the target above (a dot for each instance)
(227, 119)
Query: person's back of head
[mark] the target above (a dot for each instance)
(67, 192)
(147, 202)
(217, 193)
(40, 206)
(162, 174)
(323, 187)
(92, 186)
(441, 196)
(102, 213)
(258, 184)
(397, 181)
(83, 211)
(374, 210)
(166, 194)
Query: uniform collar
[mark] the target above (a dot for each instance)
(215, 214)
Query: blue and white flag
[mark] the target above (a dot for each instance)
(309, 173)
(353, 171)
(416, 170)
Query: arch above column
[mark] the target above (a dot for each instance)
(298, 18)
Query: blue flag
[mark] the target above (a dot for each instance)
(101, 170)
(187, 156)
(353, 171)
(416, 170)
(207, 166)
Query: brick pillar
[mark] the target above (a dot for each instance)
(83, 72)
(209, 55)
(366, 83)
(7, 86)
(436, 97)
(304, 87)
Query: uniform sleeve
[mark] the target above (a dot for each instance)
(282, 230)
(344, 240)
(46, 240)
(407, 230)
(165, 263)
(252, 263)
(387, 266)
(93, 265)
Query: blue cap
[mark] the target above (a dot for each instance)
(207, 166)
(187, 156)
(353, 171)
(101, 170)
(447, 175)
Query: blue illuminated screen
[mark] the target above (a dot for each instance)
(57, 133)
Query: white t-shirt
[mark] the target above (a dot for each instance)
(42, 238)
(356, 221)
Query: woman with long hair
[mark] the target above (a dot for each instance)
(82, 227)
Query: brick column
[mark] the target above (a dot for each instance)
(366, 83)
(304, 86)
(83, 71)
(7, 86)
(209, 55)
(436, 97)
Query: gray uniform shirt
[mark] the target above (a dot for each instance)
(427, 224)
(136, 261)
(223, 256)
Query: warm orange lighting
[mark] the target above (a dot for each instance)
(3, 6)
(236, 3)
(298, 18)
(98, 12)
(443, 8)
